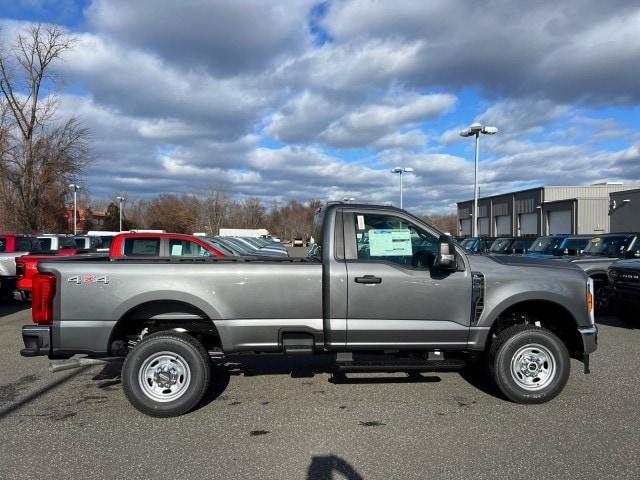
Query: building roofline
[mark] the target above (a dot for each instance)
(634, 188)
(621, 192)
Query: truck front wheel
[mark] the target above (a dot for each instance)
(529, 364)
(166, 374)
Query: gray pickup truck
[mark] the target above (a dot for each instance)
(380, 291)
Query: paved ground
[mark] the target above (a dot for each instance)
(279, 418)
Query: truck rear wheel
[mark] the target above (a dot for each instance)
(529, 364)
(166, 374)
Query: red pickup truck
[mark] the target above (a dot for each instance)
(123, 245)
(27, 267)
(161, 245)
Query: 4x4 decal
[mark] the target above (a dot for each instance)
(88, 279)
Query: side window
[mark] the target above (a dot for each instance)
(392, 239)
(186, 248)
(23, 244)
(144, 247)
(44, 243)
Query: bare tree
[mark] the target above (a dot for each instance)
(39, 157)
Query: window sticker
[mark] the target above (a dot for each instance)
(176, 250)
(390, 243)
(361, 222)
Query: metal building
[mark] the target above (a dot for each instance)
(624, 211)
(542, 211)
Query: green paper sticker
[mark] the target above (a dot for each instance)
(390, 242)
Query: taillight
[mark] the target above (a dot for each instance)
(20, 270)
(44, 289)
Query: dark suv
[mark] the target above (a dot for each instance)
(624, 281)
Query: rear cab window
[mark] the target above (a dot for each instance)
(143, 247)
(186, 248)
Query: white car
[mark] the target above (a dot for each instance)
(298, 242)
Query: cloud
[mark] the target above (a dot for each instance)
(226, 37)
(563, 50)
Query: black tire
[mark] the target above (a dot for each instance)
(507, 345)
(187, 351)
(602, 297)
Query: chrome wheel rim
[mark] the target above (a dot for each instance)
(164, 376)
(533, 367)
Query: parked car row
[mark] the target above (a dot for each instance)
(20, 254)
(593, 253)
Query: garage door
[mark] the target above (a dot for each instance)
(483, 226)
(503, 225)
(528, 223)
(465, 227)
(559, 221)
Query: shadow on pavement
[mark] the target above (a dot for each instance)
(323, 467)
(613, 321)
(40, 392)
(9, 307)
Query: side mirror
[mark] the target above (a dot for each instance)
(446, 258)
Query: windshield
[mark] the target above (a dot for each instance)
(575, 244)
(521, 245)
(613, 246)
(546, 244)
(501, 245)
(468, 243)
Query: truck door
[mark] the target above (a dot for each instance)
(396, 297)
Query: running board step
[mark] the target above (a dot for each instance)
(400, 366)
(297, 344)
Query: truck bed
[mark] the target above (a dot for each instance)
(250, 300)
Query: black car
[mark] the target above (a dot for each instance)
(511, 245)
(477, 244)
(624, 281)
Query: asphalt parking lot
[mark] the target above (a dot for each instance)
(290, 418)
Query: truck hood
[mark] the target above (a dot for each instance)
(585, 259)
(629, 264)
(478, 261)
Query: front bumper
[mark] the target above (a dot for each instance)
(589, 338)
(37, 340)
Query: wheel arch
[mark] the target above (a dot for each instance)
(164, 315)
(546, 313)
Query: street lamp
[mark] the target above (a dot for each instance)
(121, 200)
(401, 171)
(75, 207)
(475, 129)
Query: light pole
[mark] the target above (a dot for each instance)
(475, 129)
(401, 171)
(75, 207)
(121, 200)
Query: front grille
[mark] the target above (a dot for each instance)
(628, 277)
(477, 296)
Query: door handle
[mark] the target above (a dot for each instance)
(368, 279)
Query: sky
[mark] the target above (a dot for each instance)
(308, 99)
